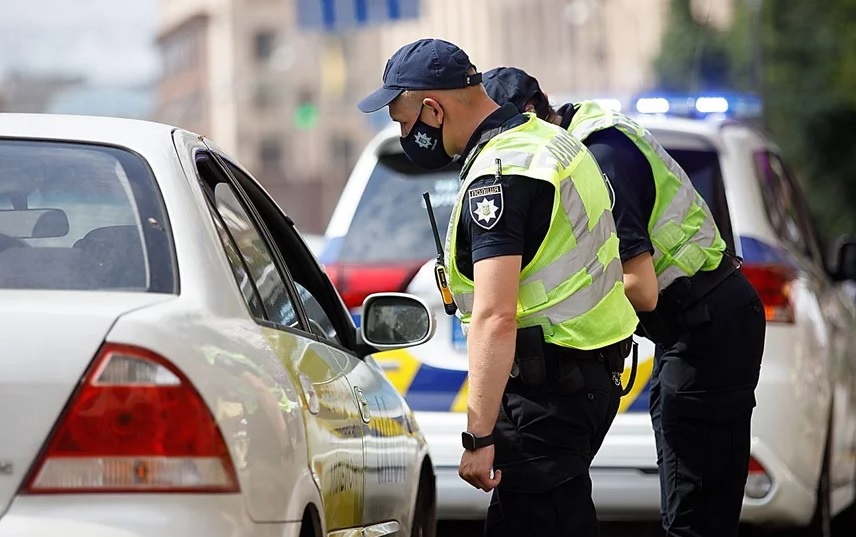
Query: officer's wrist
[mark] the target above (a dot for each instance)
(480, 430)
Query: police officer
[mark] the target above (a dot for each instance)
(535, 273)
(709, 323)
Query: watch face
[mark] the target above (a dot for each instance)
(469, 441)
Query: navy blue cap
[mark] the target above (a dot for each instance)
(427, 64)
(511, 85)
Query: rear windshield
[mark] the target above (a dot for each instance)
(391, 223)
(77, 216)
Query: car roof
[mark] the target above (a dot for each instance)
(131, 133)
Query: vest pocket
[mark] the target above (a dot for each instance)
(531, 295)
(690, 258)
(668, 236)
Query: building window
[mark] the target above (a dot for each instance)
(342, 150)
(180, 53)
(266, 96)
(264, 45)
(270, 153)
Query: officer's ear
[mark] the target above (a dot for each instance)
(435, 110)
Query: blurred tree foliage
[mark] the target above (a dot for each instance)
(800, 56)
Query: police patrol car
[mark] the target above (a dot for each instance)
(802, 470)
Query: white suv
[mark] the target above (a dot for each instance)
(802, 469)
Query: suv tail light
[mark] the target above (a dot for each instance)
(773, 284)
(356, 282)
(135, 424)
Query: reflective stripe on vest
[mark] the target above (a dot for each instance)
(577, 269)
(682, 228)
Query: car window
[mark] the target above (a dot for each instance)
(81, 216)
(390, 222)
(299, 267)
(319, 321)
(704, 172)
(255, 253)
(781, 201)
(240, 235)
(242, 275)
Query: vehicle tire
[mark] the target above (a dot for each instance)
(425, 511)
(821, 522)
(311, 524)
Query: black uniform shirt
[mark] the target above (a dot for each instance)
(518, 218)
(632, 180)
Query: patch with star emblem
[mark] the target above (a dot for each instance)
(486, 205)
(424, 141)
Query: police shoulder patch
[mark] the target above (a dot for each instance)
(486, 205)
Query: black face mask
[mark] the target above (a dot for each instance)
(424, 145)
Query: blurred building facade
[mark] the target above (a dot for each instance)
(281, 98)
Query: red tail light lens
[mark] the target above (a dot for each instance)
(356, 282)
(758, 482)
(773, 284)
(135, 424)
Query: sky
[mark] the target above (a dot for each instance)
(108, 41)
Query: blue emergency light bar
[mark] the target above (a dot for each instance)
(700, 106)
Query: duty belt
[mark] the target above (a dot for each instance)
(556, 358)
(685, 292)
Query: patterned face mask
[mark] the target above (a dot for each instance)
(424, 145)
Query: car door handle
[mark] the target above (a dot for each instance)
(363, 404)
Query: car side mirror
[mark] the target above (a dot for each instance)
(395, 321)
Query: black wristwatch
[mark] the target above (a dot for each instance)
(472, 442)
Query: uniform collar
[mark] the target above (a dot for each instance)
(502, 119)
(493, 125)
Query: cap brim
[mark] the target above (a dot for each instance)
(377, 100)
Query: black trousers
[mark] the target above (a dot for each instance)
(702, 397)
(544, 446)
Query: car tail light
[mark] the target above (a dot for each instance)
(758, 483)
(356, 282)
(773, 284)
(135, 424)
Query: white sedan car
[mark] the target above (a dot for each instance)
(804, 427)
(173, 359)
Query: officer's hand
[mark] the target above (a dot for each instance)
(475, 469)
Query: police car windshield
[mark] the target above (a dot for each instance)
(390, 223)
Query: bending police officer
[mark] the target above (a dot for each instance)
(708, 324)
(534, 269)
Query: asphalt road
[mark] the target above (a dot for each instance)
(844, 526)
(624, 529)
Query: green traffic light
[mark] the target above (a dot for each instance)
(306, 116)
